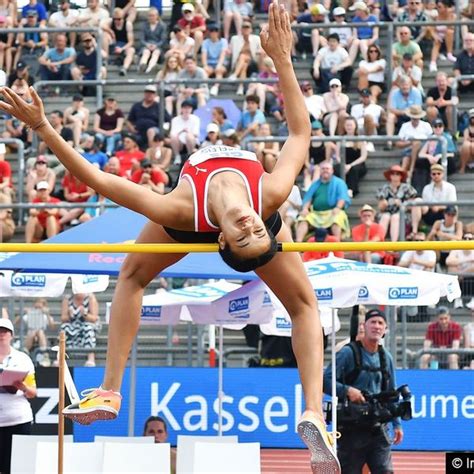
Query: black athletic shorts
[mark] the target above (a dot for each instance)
(273, 223)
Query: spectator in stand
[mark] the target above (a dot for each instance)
(399, 103)
(442, 334)
(39, 173)
(345, 33)
(314, 103)
(32, 43)
(66, 17)
(405, 45)
(332, 61)
(42, 223)
(438, 190)
(413, 12)
(465, 64)
(194, 25)
(22, 71)
(118, 39)
(308, 40)
(318, 152)
(6, 44)
(391, 196)
(291, 207)
(236, 11)
(93, 15)
(321, 235)
(250, 121)
(113, 167)
(267, 152)
(414, 129)
(371, 72)
(367, 35)
(169, 72)
(220, 117)
(368, 115)
(197, 94)
(76, 117)
(355, 157)
(74, 191)
(408, 68)
(245, 54)
(36, 321)
(214, 56)
(267, 93)
(184, 132)
(7, 224)
(230, 138)
(367, 231)
(85, 67)
(181, 45)
(424, 260)
(469, 340)
(324, 205)
(9, 11)
(467, 147)
(56, 119)
(153, 41)
(144, 117)
(461, 263)
(91, 151)
(17, 415)
(159, 154)
(80, 319)
(336, 107)
(6, 185)
(443, 34)
(56, 62)
(212, 136)
(128, 8)
(37, 8)
(440, 101)
(108, 125)
(156, 426)
(130, 156)
(150, 177)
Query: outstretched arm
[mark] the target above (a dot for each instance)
(277, 40)
(156, 207)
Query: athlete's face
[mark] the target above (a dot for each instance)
(245, 233)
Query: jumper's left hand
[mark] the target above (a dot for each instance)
(276, 36)
(31, 113)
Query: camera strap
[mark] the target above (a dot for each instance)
(356, 347)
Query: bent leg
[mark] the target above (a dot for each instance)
(137, 271)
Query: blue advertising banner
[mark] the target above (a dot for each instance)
(265, 404)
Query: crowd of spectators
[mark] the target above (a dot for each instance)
(349, 94)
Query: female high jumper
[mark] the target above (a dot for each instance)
(223, 196)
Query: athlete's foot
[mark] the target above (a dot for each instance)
(312, 430)
(98, 404)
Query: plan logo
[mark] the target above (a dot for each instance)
(402, 293)
(88, 279)
(283, 323)
(238, 305)
(267, 299)
(324, 294)
(363, 292)
(20, 280)
(151, 312)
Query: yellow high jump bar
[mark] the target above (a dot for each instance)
(200, 248)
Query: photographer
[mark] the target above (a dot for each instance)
(364, 370)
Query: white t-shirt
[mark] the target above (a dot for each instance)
(331, 58)
(432, 193)
(94, 18)
(345, 34)
(428, 256)
(422, 131)
(15, 408)
(3, 78)
(315, 105)
(464, 257)
(188, 43)
(416, 74)
(179, 124)
(377, 76)
(58, 20)
(294, 198)
(358, 111)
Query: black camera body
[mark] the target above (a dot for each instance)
(378, 409)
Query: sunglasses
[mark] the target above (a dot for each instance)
(373, 50)
(334, 86)
(396, 173)
(436, 174)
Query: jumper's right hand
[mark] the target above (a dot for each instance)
(30, 113)
(355, 395)
(276, 36)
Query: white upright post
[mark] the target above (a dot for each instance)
(333, 378)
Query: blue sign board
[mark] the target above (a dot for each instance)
(265, 404)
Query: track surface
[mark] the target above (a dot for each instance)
(296, 461)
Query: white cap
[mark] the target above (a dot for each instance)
(339, 11)
(7, 324)
(336, 81)
(42, 185)
(359, 6)
(212, 127)
(187, 7)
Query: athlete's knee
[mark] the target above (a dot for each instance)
(134, 270)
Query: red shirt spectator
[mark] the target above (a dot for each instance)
(130, 156)
(156, 176)
(74, 190)
(321, 235)
(368, 230)
(43, 215)
(443, 335)
(5, 172)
